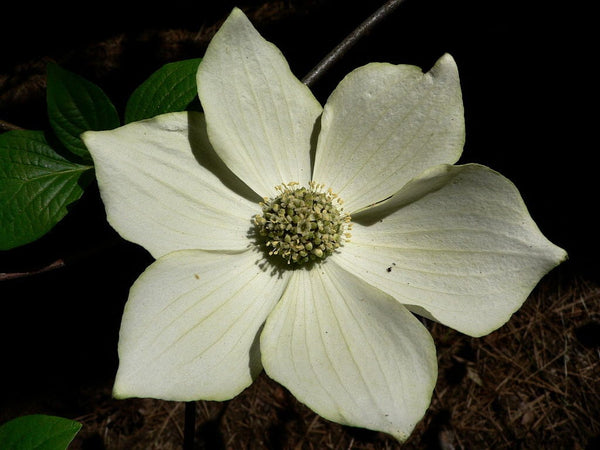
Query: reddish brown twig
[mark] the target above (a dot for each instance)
(7, 126)
(14, 275)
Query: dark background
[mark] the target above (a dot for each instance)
(527, 73)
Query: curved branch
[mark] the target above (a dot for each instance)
(343, 47)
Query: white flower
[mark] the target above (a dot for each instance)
(203, 194)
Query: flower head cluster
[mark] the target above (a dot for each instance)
(303, 224)
(454, 244)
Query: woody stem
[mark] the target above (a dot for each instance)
(338, 52)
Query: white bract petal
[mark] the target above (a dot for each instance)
(335, 292)
(456, 245)
(351, 353)
(385, 124)
(190, 326)
(163, 187)
(260, 116)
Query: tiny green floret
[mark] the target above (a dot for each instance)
(303, 224)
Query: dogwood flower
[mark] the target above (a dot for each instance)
(301, 239)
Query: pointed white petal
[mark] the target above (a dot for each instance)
(190, 326)
(351, 353)
(384, 125)
(164, 188)
(260, 116)
(456, 245)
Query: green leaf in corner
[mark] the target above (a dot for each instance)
(36, 187)
(39, 432)
(170, 89)
(76, 105)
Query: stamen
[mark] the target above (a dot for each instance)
(303, 224)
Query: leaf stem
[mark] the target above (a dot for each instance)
(343, 47)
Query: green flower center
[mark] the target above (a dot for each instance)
(303, 224)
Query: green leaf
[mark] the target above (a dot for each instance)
(39, 432)
(170, 89)
(76, 105)
(36, 187)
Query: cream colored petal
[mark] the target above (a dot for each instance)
(350, 352)
(260, 116)
(385, 124)
(190, 327)
(456, 245)
(164, 188)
